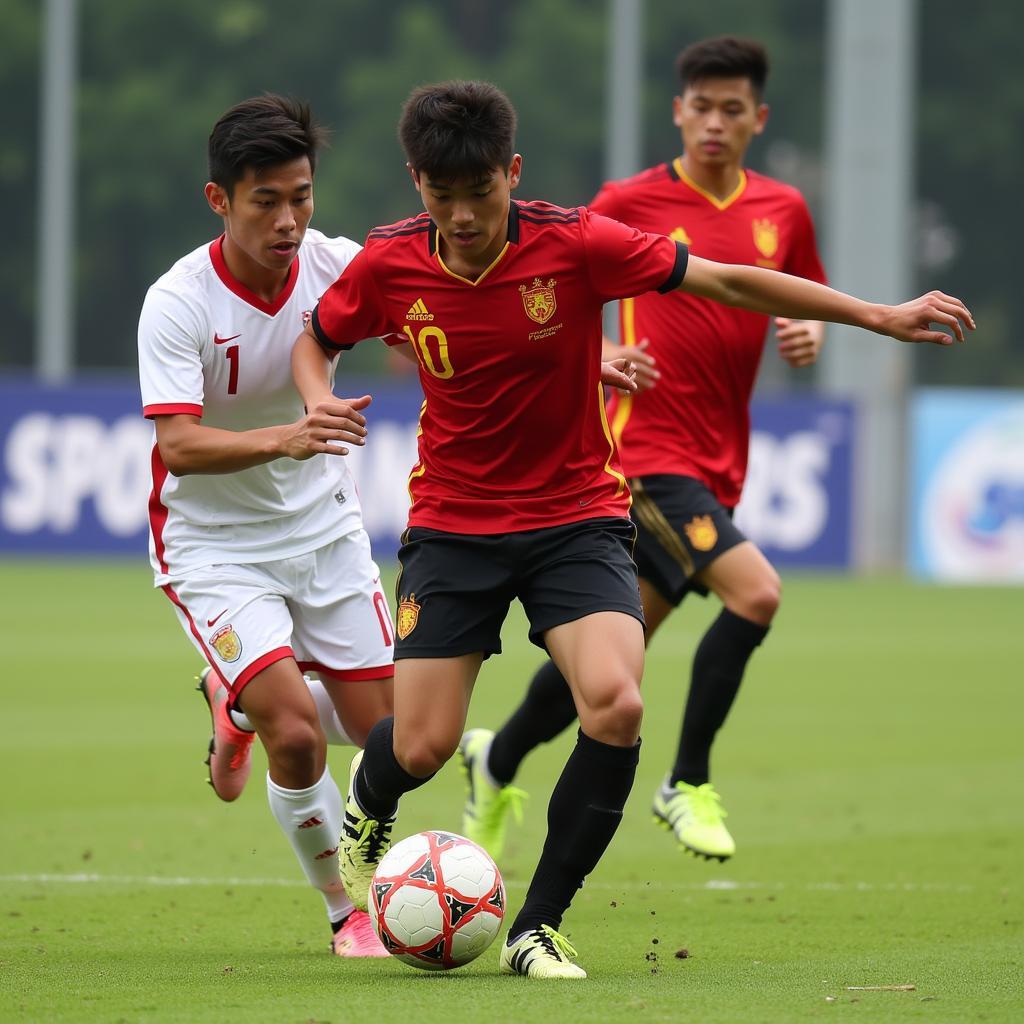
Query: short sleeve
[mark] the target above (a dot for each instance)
(170, 364)
(607, 202)
(352, 309)
(803, 259)
(624, 262)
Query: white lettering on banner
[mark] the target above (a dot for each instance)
(23, 504)
(55, 463)
(785, 502)
(381, 471)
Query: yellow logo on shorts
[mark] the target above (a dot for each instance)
(226, 643)
(408, 616)
(701, 533)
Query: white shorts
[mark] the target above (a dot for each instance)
(325, 609)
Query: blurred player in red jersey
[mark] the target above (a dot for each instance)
(501, 302)
(684, 440)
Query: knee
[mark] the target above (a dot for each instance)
(296, 742)
(423, 755)
(616, 718)
(762, 601)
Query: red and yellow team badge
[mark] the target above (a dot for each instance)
(226, 643)
(701, 533)
(408, 616)
(539, 301)
(766, 237)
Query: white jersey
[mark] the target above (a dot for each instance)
(210, 347)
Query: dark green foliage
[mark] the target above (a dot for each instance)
(154, 77)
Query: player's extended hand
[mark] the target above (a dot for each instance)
(619, 374)
(646, 375)
(799, 340)
(327, 428)
(915, 320)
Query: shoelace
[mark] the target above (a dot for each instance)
(509, 798)
(556, 944)
(373, 835)
(705, 803)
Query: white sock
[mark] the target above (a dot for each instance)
(329, 721)
(239, 721)
(311, 821)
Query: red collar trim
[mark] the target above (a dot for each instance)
(234, 285)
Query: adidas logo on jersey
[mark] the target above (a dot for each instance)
(418, 311)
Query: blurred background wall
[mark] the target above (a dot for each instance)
(152, 77)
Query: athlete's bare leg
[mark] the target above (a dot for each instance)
(745, 582)
(360, 704)
(601, 657)
(278, 704)
(431, 703)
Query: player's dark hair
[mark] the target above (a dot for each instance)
(724, 57)
(457, 129)
(261, 132)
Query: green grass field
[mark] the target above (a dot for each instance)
(872, 769)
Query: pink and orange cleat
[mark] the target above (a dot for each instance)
(356, 937)
(230, 757)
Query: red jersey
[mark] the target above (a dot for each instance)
(696, 421)
(513, 430)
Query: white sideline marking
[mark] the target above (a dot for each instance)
(712, 885)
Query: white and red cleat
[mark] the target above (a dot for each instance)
(356, 937)
(230, 757)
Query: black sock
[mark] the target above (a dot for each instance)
(547, 710)
(381, 780)
(585, 810)
(336, 926)
(718, 667)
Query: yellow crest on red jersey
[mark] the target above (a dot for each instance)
(679, 235)
(539, 300)
(408, 616)
(766, 237)
(227, 643)
(701, 533)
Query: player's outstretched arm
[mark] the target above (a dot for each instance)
(768, 291)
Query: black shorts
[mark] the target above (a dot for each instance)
(681, 528)
(454, 589)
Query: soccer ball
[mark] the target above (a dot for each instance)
(436, 900)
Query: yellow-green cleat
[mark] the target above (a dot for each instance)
(364, 841)
(487, 807)
(694, 814)
(541, 953)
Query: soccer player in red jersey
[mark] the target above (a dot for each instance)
(684, 439)
(501, 302)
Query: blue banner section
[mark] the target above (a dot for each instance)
(798, 500)
(75, 471)
(967, 498)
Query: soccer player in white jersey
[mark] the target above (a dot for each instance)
(256, 533)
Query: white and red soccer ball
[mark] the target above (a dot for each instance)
(437, 900)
